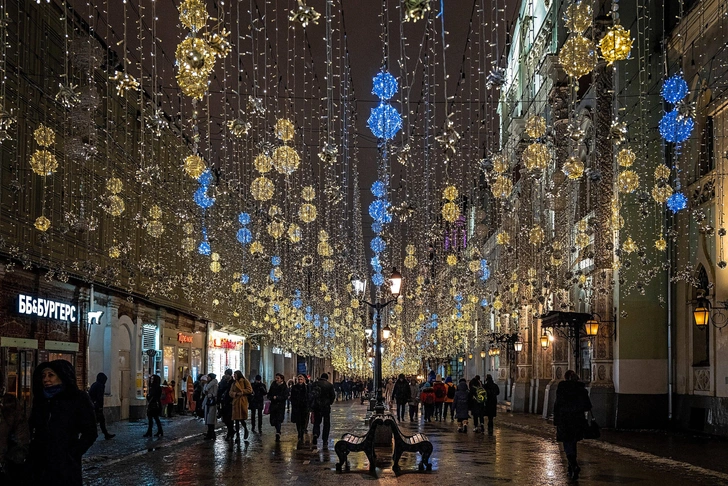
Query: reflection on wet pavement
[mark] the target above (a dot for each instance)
(511, 456)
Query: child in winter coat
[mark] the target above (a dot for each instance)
(427, 397)
(460, 403)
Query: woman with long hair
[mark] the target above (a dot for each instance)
(239, 391)
(299, 406)
(154, 405)
(278, 394)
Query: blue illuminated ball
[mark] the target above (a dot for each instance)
(384, 121)
(677, 202)
(378, 279)
(202, 199)
(205, 178)
(379, 189)
(377, 227)
(378, 210)
(275, 261)
(244, 236)
(384, 86)
(297, 303)
(378, 245)
(675, 127)
(484, 270)
(244, 219)
(674, 89)
(204, 248)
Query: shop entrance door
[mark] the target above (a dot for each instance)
(125, 385)
(18, 365)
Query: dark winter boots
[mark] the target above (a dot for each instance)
(573, 467)
(210, 433)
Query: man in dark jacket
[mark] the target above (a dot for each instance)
(491, 402)
(402, 395)
(256, 402)
(324, 394)
(572, 401)
(225, 402)
(62, 425)
(96, 393)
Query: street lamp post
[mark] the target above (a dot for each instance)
(395, 285)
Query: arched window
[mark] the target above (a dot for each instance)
(701, 336)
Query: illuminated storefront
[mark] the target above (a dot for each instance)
(224, 351)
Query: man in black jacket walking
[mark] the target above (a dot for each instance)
(322, 397)
(96, 392)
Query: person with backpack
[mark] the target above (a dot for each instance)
(450, 390)
(299, 407)
(491, 401)
(321, 399)
(427, 397)
(440, 395)
(257, 401)
(414, 400)
(461, 404)
(401, 394)
(478, 398)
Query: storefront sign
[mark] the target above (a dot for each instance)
(18, 343)
(61, 346)
(50, 309)
(184, 338)
(226, 343)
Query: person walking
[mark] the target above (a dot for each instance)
(477, 404)
(402, 395)
(278, 395)
(96, 393)
(154, 405)
(440, 395)
(62, 425)
(450, 390)
(209, 393)
(491, 401)
(427, 397)
(257, 402)
(173, 403)
(225, 402)
(299, 407)
(572, 402)
(240, 390)
(322, 397)
(167, 398)
(14, 441)
(388, 389)
(414, 400)
(190, 389)
(461, 404)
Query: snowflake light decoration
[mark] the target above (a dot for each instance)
(304, 14)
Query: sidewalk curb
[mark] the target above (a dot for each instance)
(629, 452)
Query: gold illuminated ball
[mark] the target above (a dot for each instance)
(452, 260)
(503, 238)
(410, 249)
(573, 168)
(474, 266)
(662, 172)
(502, 187)
(629, 245)
(114, 185)
(577, 56)
(274, 211)
(294, 233)
(536, 156)
(626, 157)
(536, 126)
(262, 188)
(194, 166)
(263, 163)
(323, 235)
(43, 162)
(500, 163)
(114, 252)
(410, 262)
(582, 240)
(327, 266)
(536, 235)
(450, 212)
(42, 223)
(286, 160)
(285, 130)
(193, 14)
(188, 244)
(188, 228)
(215, 266)
(236, 287)
(661, 244)
(661, 193)
(155, 228)
(578, 17)
(256, 247)
(324, 249)
(115, 205)
(628, 181)
(308, 193)
(450, 193)
(307, 213)
(155, 212)
(44, 136)
(276, 229)
(616, 44)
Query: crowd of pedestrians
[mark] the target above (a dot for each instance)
(47, 446)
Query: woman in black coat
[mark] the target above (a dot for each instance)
(572, 401)
(477, 408)
(62, 425)
(299, 405)
(154, 405)
(491, 402)
(278, 394)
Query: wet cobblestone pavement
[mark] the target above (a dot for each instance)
(522, 451)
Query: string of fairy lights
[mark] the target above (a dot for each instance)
(229, 166)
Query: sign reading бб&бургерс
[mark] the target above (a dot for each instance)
(49, 309)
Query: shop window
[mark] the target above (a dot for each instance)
(701, 336)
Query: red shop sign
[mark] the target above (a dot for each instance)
(184, 338)
(226, 343)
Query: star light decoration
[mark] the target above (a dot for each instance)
(67, 95)
(676, 125)
(125, 82)
(384, 120)
(416, 9)
(6, 122)
(303, 14)
(238, 127)
(449, 137)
